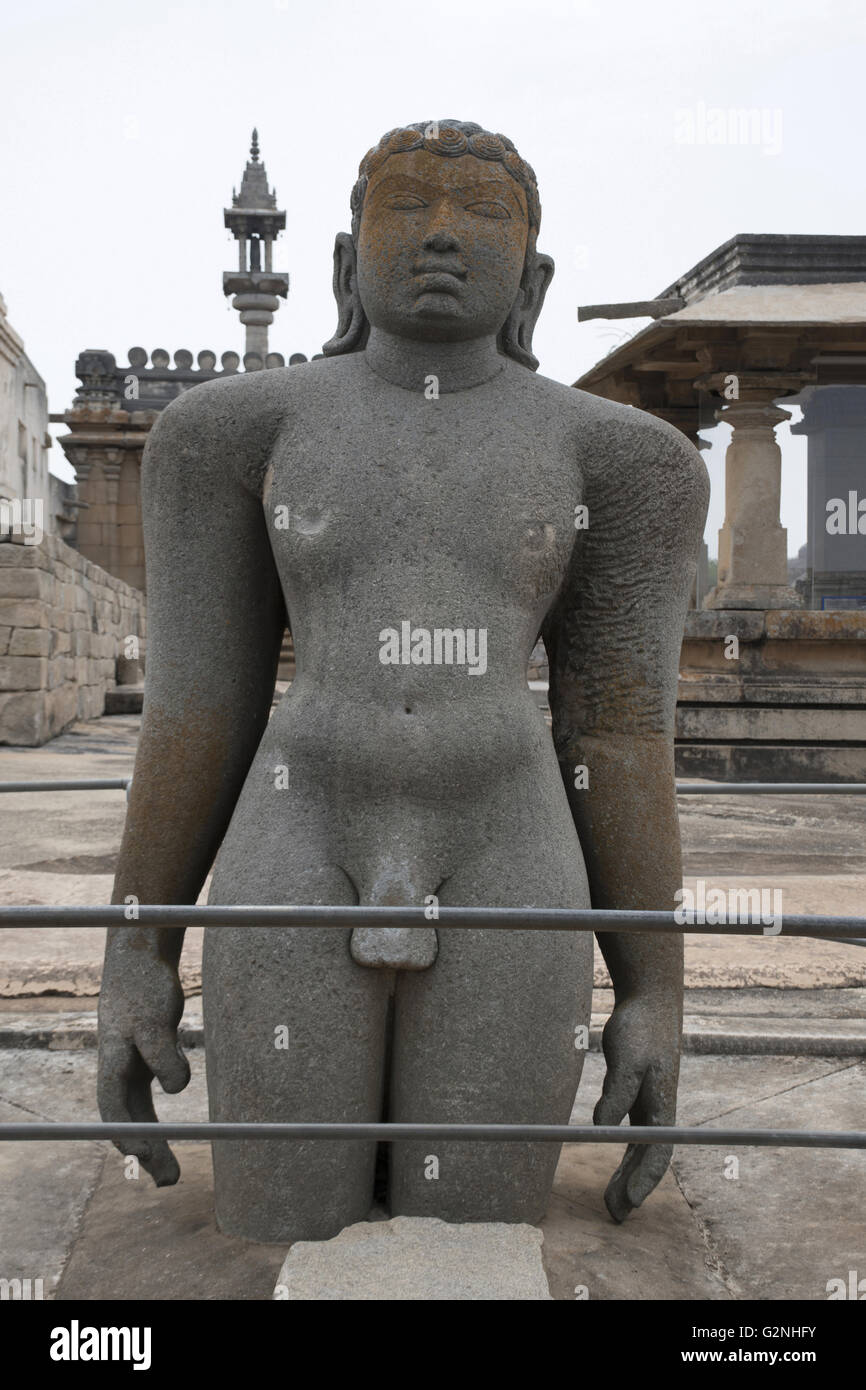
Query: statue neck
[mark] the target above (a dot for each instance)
(409, 362)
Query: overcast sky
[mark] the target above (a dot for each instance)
(125, 127)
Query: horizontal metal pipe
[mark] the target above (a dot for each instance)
(362, 915)
(81, 784)
(553, 1134)
(683, 788)
(771, 789)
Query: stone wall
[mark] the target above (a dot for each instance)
(63, 627)
(784, 702)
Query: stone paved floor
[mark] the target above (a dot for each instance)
(786, 1224)
(789, 1222)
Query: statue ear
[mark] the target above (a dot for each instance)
(515, 336)
(353, 328)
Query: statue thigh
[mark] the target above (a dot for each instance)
(488, 1034)
(294, 1030)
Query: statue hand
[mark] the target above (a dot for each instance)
(641, 1044)
(140, 1006)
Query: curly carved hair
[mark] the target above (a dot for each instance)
(450, 138)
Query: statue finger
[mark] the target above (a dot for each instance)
(158, 1160)
(618, 1094)
(616, 1197)
(656, 1101)
(116, 1062)
(120, 1070)
(648, 1172)
(167, 1062)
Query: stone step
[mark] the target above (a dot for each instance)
(702, 1033)
(124, 699)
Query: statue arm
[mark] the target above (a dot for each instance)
(215, 622)
(613, 642)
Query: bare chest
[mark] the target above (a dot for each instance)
(424, 486)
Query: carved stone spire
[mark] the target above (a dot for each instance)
(255, 221)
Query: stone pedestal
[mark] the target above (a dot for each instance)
(417, 1259)
(753, 544)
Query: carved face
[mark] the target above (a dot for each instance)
(441, 246)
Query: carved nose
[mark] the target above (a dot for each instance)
(440, 241)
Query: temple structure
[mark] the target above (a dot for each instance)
(27, 488)
(762, 323)
(759, 325)
(255, 222)
(117, 403)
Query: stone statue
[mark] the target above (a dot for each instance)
(419, 505)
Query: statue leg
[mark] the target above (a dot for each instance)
(294, 1030)
(488, 1033)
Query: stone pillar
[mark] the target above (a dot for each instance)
(834, 420)
(130, 541)
(89, 528)
(111, 463)
(104, 446)
(701, 582)
(257, 315)
(753, 544)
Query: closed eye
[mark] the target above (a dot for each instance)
(406, 202)
(494, 210)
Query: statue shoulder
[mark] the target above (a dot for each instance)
(219, 427)
(633, 453)
(618, 449)
(228, 427)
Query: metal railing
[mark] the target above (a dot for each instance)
(550, 1134)
(107, 784)
(70, 784)
(771, 788)
(590, 919)
(847, 929)
(495, 919)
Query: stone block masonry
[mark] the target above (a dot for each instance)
(773, 696)
(64, 625)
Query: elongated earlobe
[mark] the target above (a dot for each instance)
(353, 328)
(515, 336)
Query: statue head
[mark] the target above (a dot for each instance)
(445, 217)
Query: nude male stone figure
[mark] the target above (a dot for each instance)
(420, 473)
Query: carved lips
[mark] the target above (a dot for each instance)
(439, 277)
